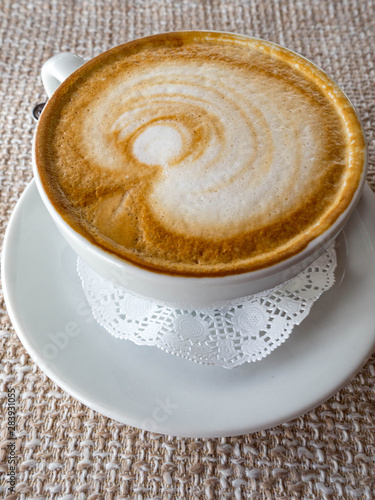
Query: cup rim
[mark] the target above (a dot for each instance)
(147, 273)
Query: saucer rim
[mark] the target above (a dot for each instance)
(26, 339)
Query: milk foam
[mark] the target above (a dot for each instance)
(157, 145)
(232, 150)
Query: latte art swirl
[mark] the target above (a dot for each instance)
(201, 154)
(229, 151)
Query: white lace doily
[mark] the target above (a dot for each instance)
(246, 331)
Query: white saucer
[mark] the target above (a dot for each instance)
(147, 388)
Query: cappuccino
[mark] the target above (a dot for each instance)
(200, 154)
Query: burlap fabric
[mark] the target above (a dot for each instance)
(65, 450)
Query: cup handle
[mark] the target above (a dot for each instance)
(58, 68)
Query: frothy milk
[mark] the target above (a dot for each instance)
(200, 154)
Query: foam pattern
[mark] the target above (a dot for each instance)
(234, 147)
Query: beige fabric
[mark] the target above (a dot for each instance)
(65, 450)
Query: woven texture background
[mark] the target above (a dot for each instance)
(65, 450)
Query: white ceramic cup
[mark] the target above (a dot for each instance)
(183, 292)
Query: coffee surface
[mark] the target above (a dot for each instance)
(200, 153)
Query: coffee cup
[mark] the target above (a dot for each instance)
(229, 185)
